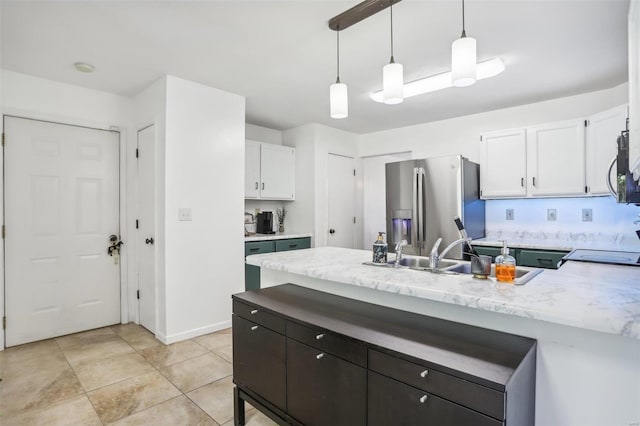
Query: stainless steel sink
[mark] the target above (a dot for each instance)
(423, 263)
(523, 275)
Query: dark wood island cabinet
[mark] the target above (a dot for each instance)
(305, 357)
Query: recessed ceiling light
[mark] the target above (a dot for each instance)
(485, 69)
(84, 67)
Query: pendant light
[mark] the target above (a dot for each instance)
(338, 99)
(392, 79)
(463, 58)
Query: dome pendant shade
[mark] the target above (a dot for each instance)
(463, 62)
(392, 84)
(338, 100)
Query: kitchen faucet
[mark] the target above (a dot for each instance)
(399, 247)
(434, 257)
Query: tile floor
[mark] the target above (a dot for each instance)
(120, 375)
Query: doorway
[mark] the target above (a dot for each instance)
(61, 187)
(341, 201)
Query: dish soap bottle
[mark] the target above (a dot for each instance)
(380, 249)
(505, 265)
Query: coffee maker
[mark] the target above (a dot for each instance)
(265, 223)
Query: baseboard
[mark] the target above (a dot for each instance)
(184, 335)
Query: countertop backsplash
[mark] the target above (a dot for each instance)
(612, 226)
(250, 206)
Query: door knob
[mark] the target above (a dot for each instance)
(149, 241)
(332, 231)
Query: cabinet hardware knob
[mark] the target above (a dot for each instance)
(424, 373)
(254, 311)
(319, 336)
(255, 327)
(423, 398)
(319, 356)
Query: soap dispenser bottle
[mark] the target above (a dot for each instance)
(380, 249)
(505, 265)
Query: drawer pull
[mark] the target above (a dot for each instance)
(254, 328)
(319, 336)
(254, 311)
(423, 398)
(319, 356)
(544, 260)
(254, 249)
(293, 245)
(424, 373)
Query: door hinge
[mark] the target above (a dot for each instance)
(138, 294)
(4, 231)
(354, 219)
(137, 153)
(4, 323)
(480, 138)
(481, 192)
(137, 224)
(354, 172)
(2, 138)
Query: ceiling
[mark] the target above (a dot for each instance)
(281, 54)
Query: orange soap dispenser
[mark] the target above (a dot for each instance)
(505, 265)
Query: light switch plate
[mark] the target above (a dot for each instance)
(551, 214)
(587, 215)
(184, 214)
(509, 214)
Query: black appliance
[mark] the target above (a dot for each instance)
(626, 190)
(265, 223)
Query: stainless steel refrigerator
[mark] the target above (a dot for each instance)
(424, 196)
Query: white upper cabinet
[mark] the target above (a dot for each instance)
(252, 170)
(603, 130)
(556, 159)
(503, 171)
(269, 171)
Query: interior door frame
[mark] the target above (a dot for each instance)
(124, 254)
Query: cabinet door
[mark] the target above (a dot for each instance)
(323, 389)
(556, 159)
(259, 360)
(394, 403)
(602, 132)
(277, 172)
(503, 168)
(252, 169)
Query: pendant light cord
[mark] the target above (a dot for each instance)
(338, 56)
(391, 9)
(464, 34)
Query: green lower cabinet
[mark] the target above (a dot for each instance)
(548, 259)
(495, 252)
(252, 273)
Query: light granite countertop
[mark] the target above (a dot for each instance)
(563, 241)
(276, 236)
(597, 297)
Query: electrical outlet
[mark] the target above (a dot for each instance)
(184, 214)
(509, 214)
(551, 214)
(587, 215)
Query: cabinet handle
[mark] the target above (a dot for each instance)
(254, 311)
(256, 185)
(424, 373)
(521, 182)
(534, 181)
(254, 328)
(423, 399)
(319, 336)
(319, 356)
(254, 249)
(263, 186)
(544, 260)
(293, 245)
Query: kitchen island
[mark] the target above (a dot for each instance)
(585, 317)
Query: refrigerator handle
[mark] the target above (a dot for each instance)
(421, 236)
(415, 235)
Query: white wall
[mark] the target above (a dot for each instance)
(262, 134)
(205, 172)
(37, 98)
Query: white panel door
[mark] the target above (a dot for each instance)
(504, 161)
(341, 182)
(374, 195)
(252, 169)
(602, 135)
(556, 159)
(146, 232)
(277, 172)
(61, 206)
